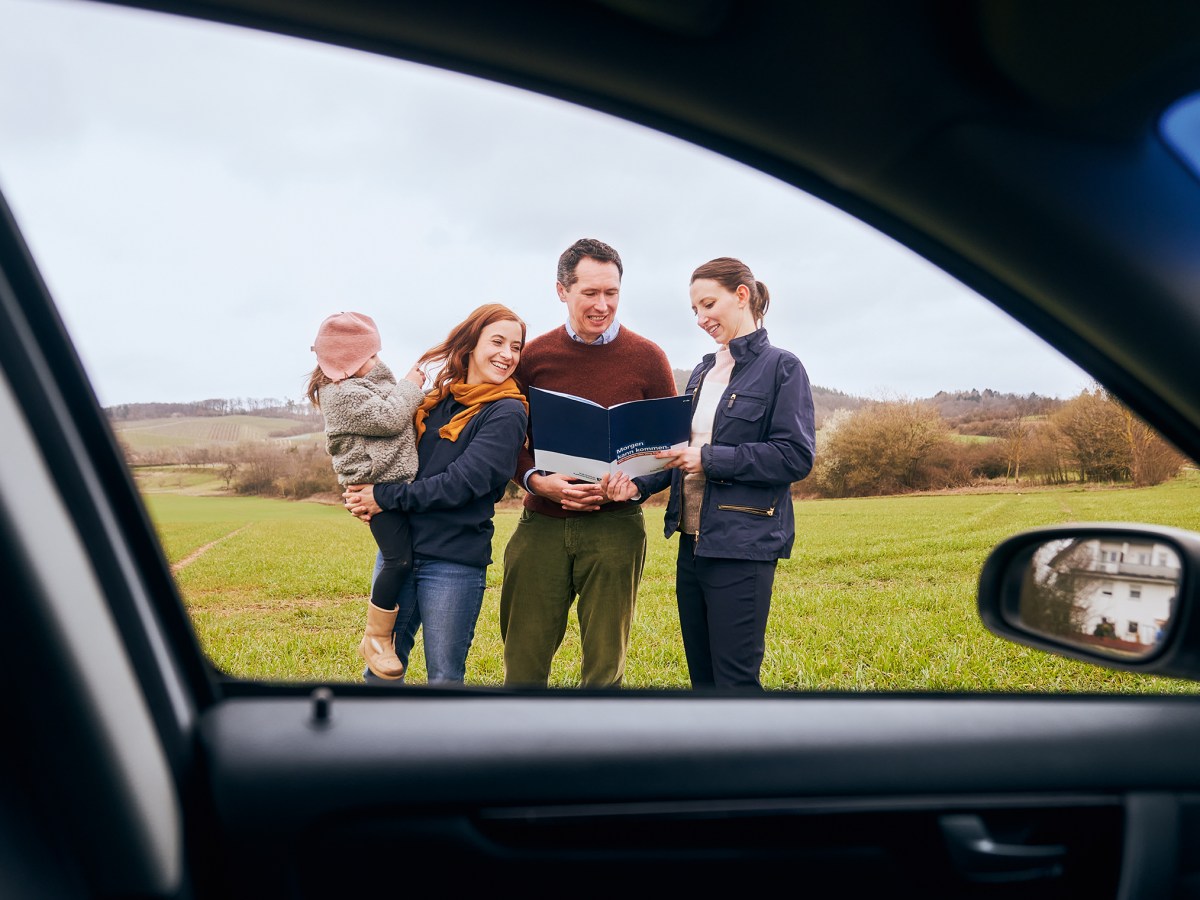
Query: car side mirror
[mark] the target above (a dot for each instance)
(1113, 594)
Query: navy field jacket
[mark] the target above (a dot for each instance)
(763, 439)
(453, 498)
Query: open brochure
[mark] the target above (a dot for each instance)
(586, 440)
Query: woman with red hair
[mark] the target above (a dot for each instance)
(469, 429)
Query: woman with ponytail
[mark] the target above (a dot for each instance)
(469, 429)
(752, 437)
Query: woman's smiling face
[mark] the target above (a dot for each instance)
(496, 353)
(722, 313)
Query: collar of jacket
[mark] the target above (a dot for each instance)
(742, 348)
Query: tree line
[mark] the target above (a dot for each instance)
(864, 447)
(265, 468)
(907, 445)
(269, 407)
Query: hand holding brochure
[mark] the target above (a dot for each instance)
(585, 440)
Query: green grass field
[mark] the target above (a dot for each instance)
(879, 593)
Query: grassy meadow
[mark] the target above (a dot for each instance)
(879, 593)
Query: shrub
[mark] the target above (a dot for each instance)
(884, 448)
(1093, 427)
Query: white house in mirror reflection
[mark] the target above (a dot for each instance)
(1124, 589)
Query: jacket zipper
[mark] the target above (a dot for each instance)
(728, 405)
(704, 496)
(730, 507)
(753, 510)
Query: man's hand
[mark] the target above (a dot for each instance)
(360, 501)
(558, 488)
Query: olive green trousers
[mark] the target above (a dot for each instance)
(548, 563)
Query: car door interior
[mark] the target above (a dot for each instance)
(137, 770)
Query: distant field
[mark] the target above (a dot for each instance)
(879, 594)
(150, 434)
(188, 479)
(972, 438)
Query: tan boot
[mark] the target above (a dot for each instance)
(378, 646)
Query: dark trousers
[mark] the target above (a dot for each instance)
(723, 609)
(393, 535)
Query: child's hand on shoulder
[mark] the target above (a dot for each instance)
(416, 376)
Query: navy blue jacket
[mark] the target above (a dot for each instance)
(763, 440)
(453, 498)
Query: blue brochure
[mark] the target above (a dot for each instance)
(586, 440)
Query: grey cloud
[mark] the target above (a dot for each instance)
(197, 193)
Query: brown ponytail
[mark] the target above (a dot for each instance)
(730, 273)
(316, 381)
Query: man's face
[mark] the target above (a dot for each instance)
(592, 299)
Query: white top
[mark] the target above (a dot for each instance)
(703, 417)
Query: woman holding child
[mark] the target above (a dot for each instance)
(752, 437)
(469, 428)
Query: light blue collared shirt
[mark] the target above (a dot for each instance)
(610, 334)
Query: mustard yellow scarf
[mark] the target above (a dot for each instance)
(473, 397)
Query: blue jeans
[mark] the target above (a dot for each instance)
(444, 598)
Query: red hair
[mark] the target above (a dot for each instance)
(455, 350)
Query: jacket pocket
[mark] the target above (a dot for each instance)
(752, 510)
(740, 418)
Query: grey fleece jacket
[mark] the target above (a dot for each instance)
(369, 427)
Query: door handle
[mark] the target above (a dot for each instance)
(979, 858)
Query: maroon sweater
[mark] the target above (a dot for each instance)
(628, 368)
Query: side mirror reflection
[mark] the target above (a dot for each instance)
(1113, 595)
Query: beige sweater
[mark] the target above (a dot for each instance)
(369, 427)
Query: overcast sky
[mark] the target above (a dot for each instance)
(199, 198)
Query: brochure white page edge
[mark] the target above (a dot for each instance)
(593, 470)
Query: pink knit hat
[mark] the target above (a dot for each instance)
(344, 342)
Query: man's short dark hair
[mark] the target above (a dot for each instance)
(585, 248)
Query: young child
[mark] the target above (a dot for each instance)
(370, 435)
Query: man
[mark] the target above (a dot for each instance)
(570, 543)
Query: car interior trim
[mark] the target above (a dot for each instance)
(103, 724)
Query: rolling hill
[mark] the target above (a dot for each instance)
(141, 435)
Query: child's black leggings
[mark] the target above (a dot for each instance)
(394, 537)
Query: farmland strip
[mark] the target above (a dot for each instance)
(200, 551)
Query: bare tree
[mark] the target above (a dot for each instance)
(1151, 459)
(1093, 427)
(1015, 440)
